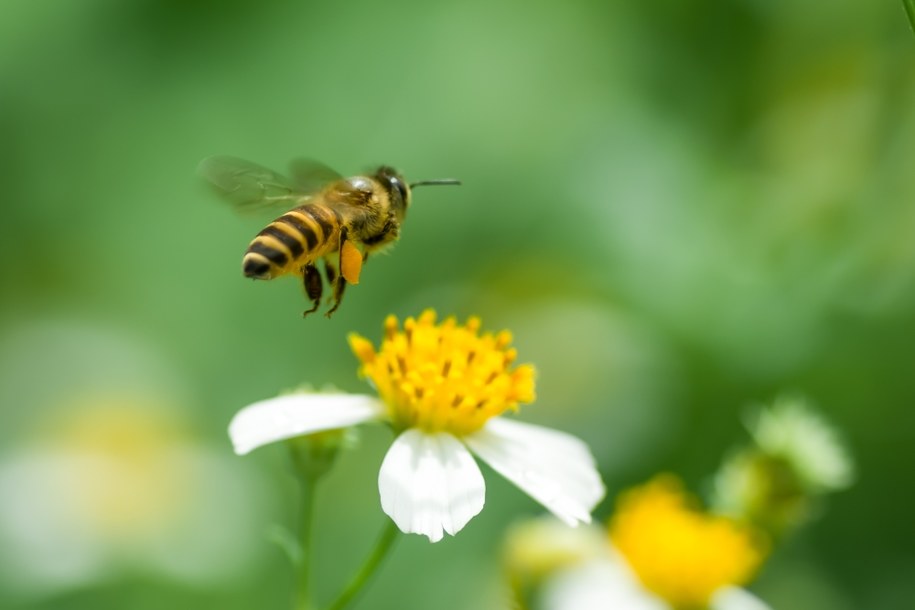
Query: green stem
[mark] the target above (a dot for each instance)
(361, 578)
(303, 591)
(910, 12)
(312, 458)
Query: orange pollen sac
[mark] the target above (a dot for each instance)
(679, 552)
(444, 377)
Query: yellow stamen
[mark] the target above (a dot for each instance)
(679, 552)
(444, 377)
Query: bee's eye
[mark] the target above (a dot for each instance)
(400, 188)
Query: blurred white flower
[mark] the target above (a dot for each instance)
(599, 585)
(536, 549)
(117, 488)
(104, 478)
(611, 585)
(550, 565)
(442, 388)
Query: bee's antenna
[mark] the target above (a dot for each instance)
(440, 181)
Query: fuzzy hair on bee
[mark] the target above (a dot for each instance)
(338, 221)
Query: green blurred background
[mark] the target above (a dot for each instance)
(680, 209)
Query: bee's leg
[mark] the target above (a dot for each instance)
(314, 287)
(339, 283)
(330, 271)
(339, 287)
(349, 263)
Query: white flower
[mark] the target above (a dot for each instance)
(442, 389)
(103, 478)
(119, 489)
(609, 584)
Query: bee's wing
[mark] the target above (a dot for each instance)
(249, 186)
(310, 175)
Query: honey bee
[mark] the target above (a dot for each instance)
(331, 218)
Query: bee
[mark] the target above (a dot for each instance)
(337, 220)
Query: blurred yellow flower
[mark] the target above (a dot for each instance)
(677, 551)
(661, 552)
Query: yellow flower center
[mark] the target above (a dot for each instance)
(680, 553)
(128, 485)
(444, 377)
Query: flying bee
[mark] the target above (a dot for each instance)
(330, 218)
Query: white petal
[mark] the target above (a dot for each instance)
(598, 585)
(554, 468)
(429, 483)
(293, 415)
(734, 598)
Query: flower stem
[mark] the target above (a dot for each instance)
(910, 11)
(303, 569)
(312, 458)
(361, 578)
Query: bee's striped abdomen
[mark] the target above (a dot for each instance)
(297, 237)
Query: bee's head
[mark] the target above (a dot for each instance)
(400, 191)
(397, 189)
